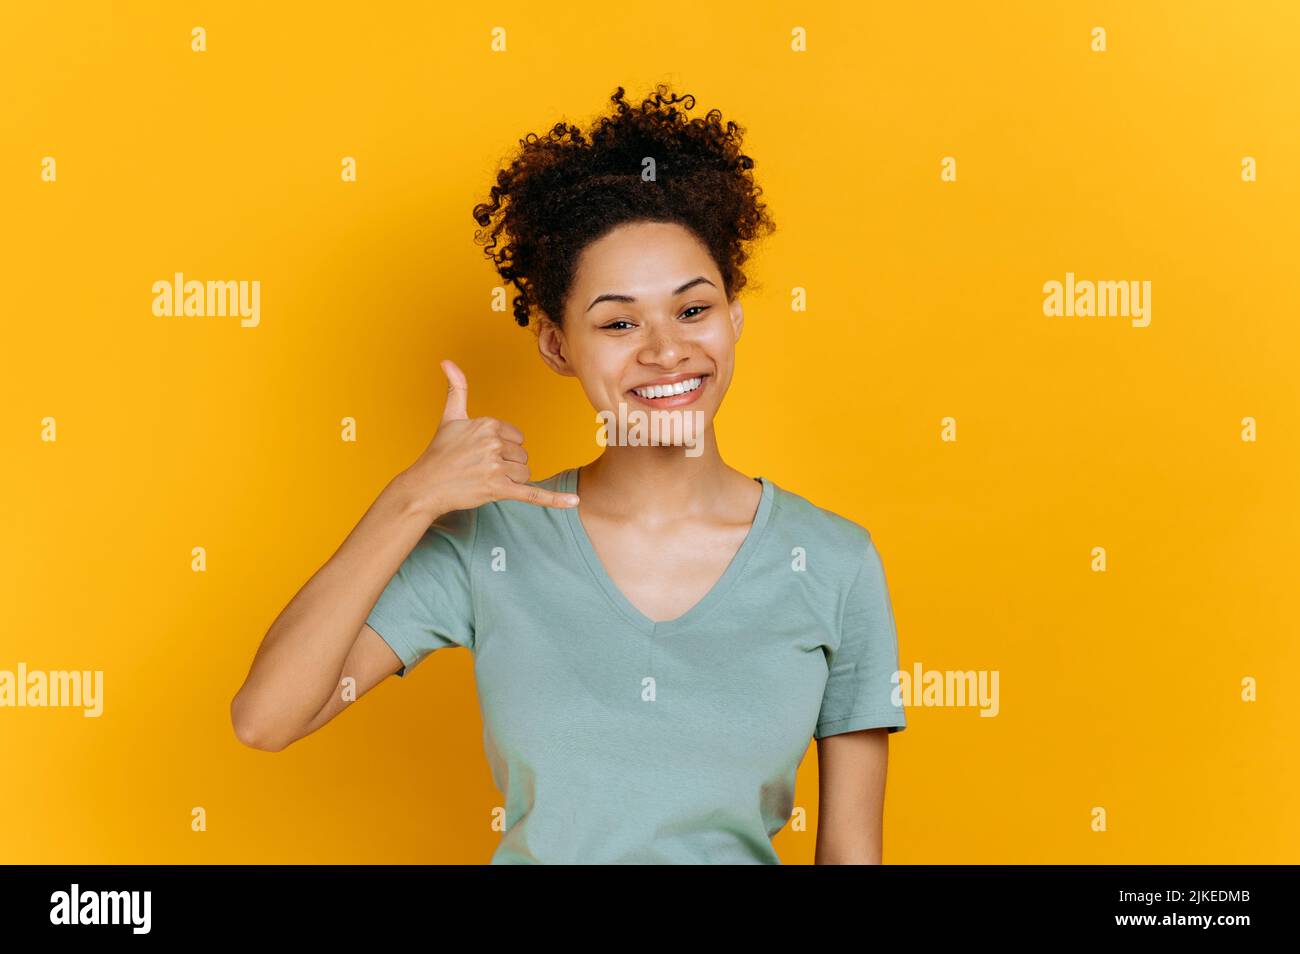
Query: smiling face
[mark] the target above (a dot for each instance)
(647, 323)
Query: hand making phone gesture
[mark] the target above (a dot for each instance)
(473, 461)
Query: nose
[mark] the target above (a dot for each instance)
(664, 346)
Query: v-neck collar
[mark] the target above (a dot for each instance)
(569, 484)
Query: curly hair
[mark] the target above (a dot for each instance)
(565, 189)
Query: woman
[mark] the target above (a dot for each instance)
(652, 660)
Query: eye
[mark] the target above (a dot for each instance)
(695, 308)
(619, 321)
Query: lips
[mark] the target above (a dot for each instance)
(674, 391)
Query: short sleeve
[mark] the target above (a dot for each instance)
(428, 604)
(860, 688)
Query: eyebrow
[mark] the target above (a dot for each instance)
(610, 296)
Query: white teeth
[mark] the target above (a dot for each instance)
(664, 390)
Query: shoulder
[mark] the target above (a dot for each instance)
(795, 515)
(832, 549)
(835, 555)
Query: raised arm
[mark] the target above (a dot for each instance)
(295, 682)
(321, 637)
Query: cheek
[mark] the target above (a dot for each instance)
(612, 368)
(594, 360)
(719, 343)
(601, 369)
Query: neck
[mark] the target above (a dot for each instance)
(634, 482)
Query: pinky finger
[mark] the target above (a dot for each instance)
(540, 496)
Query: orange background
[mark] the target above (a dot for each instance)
(1118, 689)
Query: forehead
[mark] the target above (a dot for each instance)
(642, 259)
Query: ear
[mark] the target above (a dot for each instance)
(551, 346)
(737, 318)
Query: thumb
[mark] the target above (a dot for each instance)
(456, 408)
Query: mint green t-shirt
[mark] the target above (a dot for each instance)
(616, 739)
